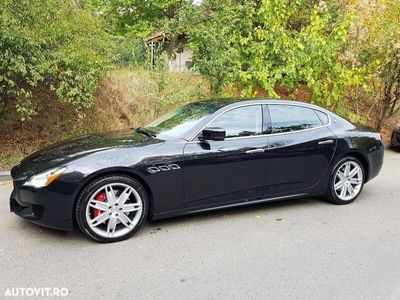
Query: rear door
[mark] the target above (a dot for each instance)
(300, 148)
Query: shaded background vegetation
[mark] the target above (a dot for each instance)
(80, 66)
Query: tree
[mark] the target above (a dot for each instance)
(131, 21)
(381, 55)
(262, 44)
(137, 18)
(57, 44)
(209, 37)
(373, 48)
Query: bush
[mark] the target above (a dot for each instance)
(55, 42)
(130, 52)
(268, 43)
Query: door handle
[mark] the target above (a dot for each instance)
(253, 151)
(326, 142)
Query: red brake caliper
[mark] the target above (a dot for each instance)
(99, 197)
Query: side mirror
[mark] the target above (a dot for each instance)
(212, 134)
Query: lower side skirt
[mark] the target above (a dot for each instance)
(195, 210)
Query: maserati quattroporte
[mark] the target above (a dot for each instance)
(203, 156)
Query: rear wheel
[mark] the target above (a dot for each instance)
(111, 208)
(347, 181)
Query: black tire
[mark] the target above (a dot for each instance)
(331, 195)
(95, 185)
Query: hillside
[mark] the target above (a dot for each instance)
(125, 99)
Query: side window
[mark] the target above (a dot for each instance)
(242, 121)
(322, 116)
(286, 118)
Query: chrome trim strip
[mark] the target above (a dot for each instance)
(192, 141)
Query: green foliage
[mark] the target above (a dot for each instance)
(334, 49)
(137, 18)
(25, 109)
(57, 43)
(377, 51)
(8, 161)
(210, 39)
(130, 52)
(166, 90)
(267, 43)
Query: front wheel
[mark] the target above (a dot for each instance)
(347, 181)
(111, 208)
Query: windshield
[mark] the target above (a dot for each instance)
(180, 120)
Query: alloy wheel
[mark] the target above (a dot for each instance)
(114, 210)
(348, 180)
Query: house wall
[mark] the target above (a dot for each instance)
(179, 64)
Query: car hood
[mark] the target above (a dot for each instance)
(78, 147)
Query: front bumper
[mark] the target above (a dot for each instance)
(50, 207)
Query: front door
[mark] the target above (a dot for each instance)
(223, 172)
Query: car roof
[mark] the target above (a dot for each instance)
(232, 102)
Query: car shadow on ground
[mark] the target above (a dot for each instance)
(49, 234)
(150, 227)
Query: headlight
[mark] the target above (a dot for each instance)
(45, 178)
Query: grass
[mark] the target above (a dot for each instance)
(126, 98)
(8, 161)
(137, 97)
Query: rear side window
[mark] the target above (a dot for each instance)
(287, 118)
(323, 117)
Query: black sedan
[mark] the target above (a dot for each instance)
(199, 157)
(395, 139)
